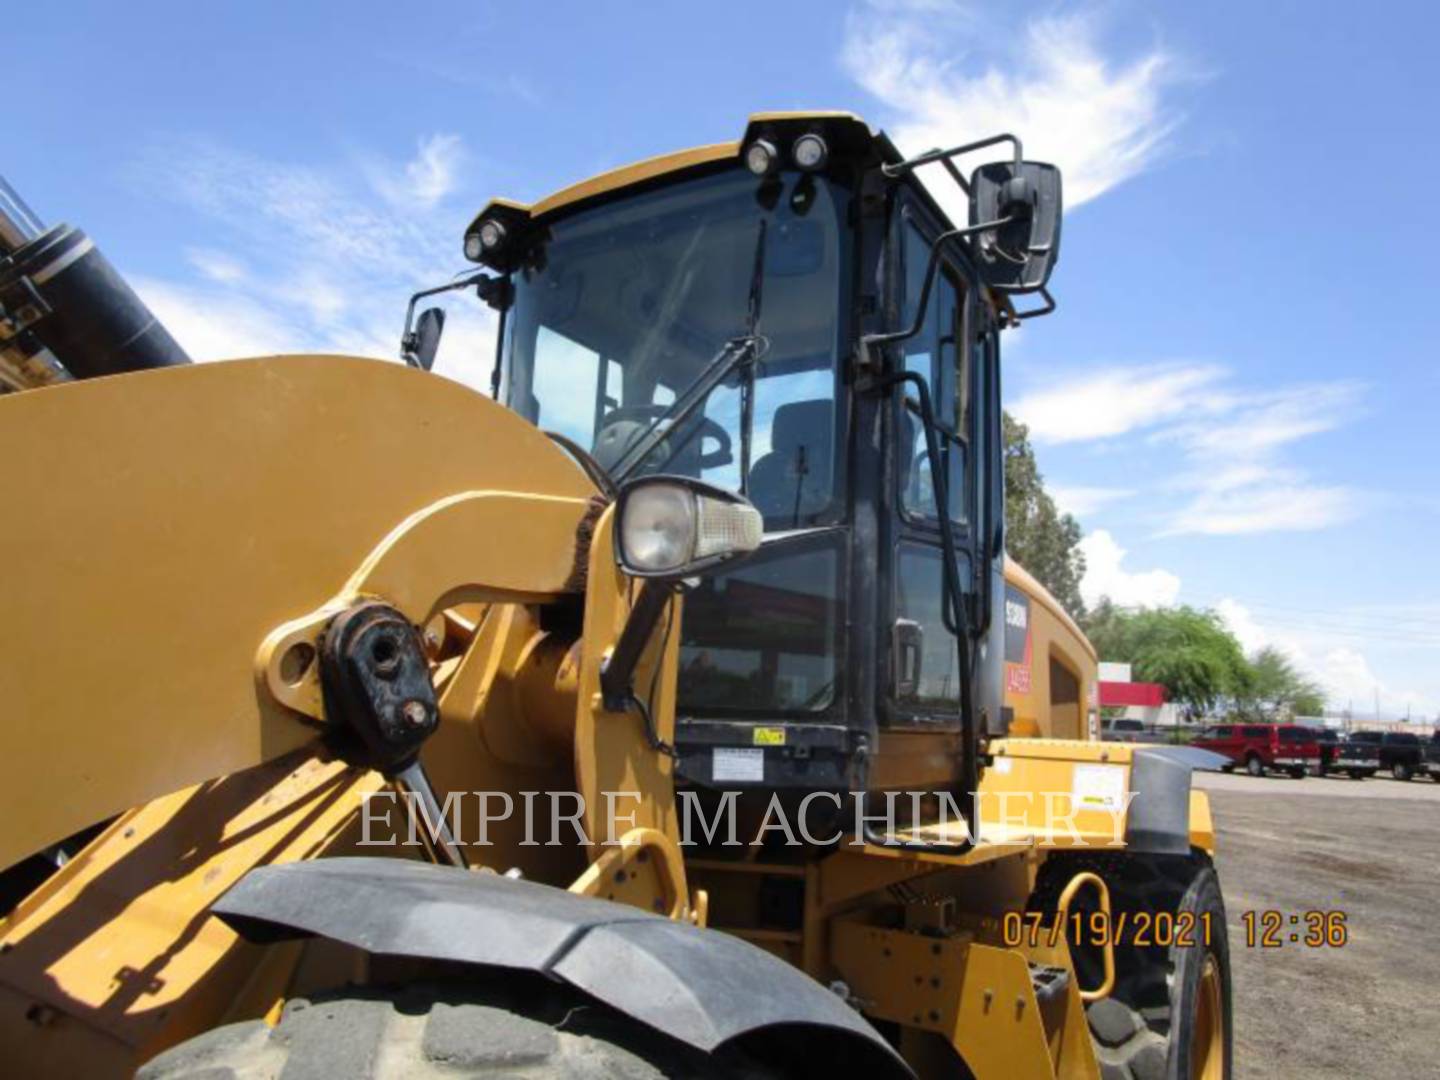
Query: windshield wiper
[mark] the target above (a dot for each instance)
(747, 385)
(740, 352)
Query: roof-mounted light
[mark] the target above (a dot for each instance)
(761, 157)
(810, 152)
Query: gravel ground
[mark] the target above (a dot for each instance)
(1368, 848)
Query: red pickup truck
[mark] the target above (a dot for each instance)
(1290, 748)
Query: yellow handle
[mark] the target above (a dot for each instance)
(1079, 881)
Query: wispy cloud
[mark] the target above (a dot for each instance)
(1114, 401)
(303, 258)
(1332, 648)
(1102, 119)
(1083, 501)
(1233, 476)
(428, 177)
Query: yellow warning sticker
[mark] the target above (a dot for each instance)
(769, 736)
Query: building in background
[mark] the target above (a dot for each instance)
(1123, 698)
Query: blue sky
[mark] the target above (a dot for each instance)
(1236, 397)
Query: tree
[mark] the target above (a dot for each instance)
(1191, 653)
(1039, 537)
(1277, 690)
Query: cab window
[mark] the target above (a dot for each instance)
(936, 356)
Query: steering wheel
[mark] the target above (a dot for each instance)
(702, 427)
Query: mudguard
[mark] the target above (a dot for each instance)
(702, 987)
(1158, 821)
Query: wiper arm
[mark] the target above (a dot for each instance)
(732, 354)
(737, 352)
(747, 386)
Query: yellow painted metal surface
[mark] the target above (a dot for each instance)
(1051, 691)
(974, 996)
(118, 952)
(182, 515)
(611, 751)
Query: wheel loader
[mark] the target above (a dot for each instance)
(671, 710)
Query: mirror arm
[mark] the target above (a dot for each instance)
(1045, 309)
(871, 341)
(407, 336)
(911, 164)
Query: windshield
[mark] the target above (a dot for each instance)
(623, 306)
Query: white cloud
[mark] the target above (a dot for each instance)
(1326, 652)
(1105, 576)
(1083, 501)
(429, 176)
(1233, 478)
(318, 260)
(1101, 120)
(216, 265)
(1113, 401)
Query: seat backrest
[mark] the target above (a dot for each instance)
(793, 480)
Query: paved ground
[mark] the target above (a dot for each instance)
(1368, 848)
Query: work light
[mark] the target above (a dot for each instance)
(810, 152)
(761, 156)
(671, 526)
(492, 234)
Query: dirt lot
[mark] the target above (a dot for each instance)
(1370, 849)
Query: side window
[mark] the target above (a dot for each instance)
(935, 355)
(1224, 731)
(927, 674)
(1255, 732)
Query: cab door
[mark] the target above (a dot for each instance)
(923, 691)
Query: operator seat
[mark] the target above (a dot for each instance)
(793, 480)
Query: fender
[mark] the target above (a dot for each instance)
(1158, 822)
(702, 987)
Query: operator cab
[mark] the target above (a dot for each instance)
(793, 317)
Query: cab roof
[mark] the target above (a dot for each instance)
(849, 127)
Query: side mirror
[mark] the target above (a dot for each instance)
(1018, 256)
(426, 339)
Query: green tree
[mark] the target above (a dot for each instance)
(1189, 652)
(1039, 537)
(1277, 690)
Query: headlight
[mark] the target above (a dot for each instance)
(674, 526)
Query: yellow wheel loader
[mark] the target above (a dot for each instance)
(672, 710)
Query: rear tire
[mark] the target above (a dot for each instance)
(1298, 774)
(1400, 771)
(424, 1029)
(1358, 774)
(1254, 766)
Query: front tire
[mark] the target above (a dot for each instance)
(1400, 771)
(1358, 774)
(430, 1029)
(1254, 766)
(1298, 774)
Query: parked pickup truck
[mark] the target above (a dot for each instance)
(1260, 748)
(1399, 751)
(1357, 759)
(1432, 755)
(1123, 729)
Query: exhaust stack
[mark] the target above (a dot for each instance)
(65, 312)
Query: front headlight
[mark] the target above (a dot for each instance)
(673, 526)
